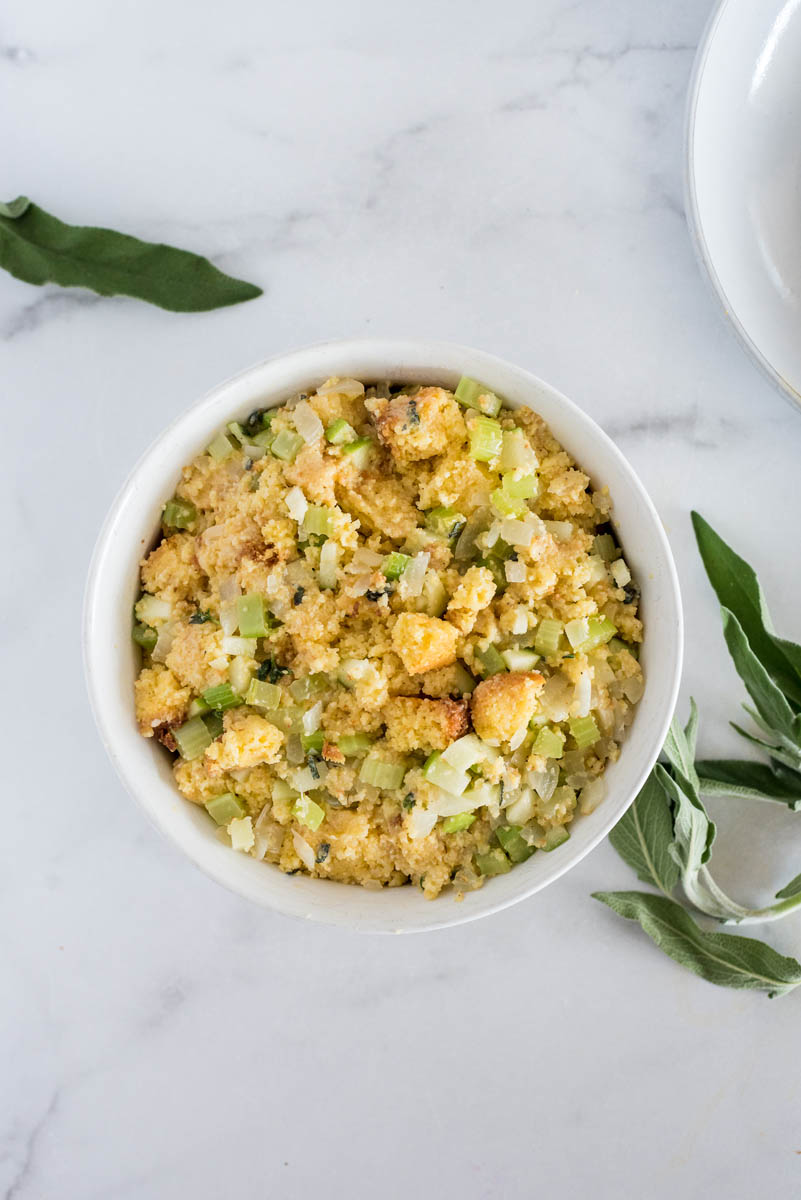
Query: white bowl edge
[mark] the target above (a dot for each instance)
(130, 526)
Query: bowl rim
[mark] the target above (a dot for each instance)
(422, 354)
(695, 226)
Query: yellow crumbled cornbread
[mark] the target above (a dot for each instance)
(248, 740)
(471, 596)
(418, 724)
(160, 699)
(424, 643)
(419, 426)
(502, 705)
(328, 632)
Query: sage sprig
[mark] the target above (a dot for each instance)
(722, 958)
(39, 248)
(667, 837)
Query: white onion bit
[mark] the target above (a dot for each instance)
(303, 850)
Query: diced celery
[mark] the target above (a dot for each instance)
(225, 808)
(491, 661)
(395, 564)
(486, 439)
(440, 772)
(312, 741)
(221, 696)
(352, 744)
(319, 520)
(198, 707)
(473, 394)
(550, 743)
(513, 843)
(264, 438)
(286, 445)
(549, 633)
(554, 837)
(381, 774)
(179, 514)
(220, 447)
(282, 791)
(263, 695)
(481, 794)
(604, 546)
(339, 432)
(617, 646)
(516, 454)
(329, 561)
(253, 622)
(306, 687)
(466, 751)
(476, 524)
(507, 505)
(236, 430)
(433, 599)
(494, 862)
(463, 680)
(144, 636)
(520, 660)
(601, 631)
(584, 731)
(445, 522)
(214, 723)
(151, 610)
(495, 566)
(359, 452)
(308, 813)
(192, 738)
(521, 487)
(457, 823)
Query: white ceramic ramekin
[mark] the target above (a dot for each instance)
(111, 658)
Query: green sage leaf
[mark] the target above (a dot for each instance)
(739, 591)
(38, 248)
(775, 752)
(770, 702)
(643, 836)
(679, 747)
(752, 780)
(725, 959)
(793, 888)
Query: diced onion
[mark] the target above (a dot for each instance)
(421, 822)
(164, 641)
(515, 570)
(296, 503)
(364, 560)
(307, 423)
(522, 809)
(303, 850)
(252, 451)
(151, 610)
(329, 560)
(518, 737)
(633, 689)
(229, 617)
(560, 531)
(555, 698)
(239, 674)
(415, 573)
(350, 388)
(582, 695)
(620, 573)
(521, 533)
(239, 645)
(240, 831)
(544, 780)
(591, 795)
(229, 588)
(597, 569)
(312, 717)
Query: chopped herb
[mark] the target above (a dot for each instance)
(409, 801)
(298, 596)
(322, 852)
(200, 617)
(259, 419)
(631, 593)
(271, 671)
(312, 759)
(412, 415)
(377, 593)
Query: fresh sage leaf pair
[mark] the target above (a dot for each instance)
(667, 837)
(38, 248)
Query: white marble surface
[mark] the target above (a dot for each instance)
(507, 175)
